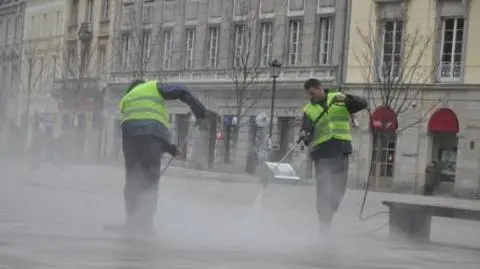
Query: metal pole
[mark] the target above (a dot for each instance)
(272, 106)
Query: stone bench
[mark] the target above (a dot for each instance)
(412, 219)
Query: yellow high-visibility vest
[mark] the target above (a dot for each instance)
(144, 102)
(334, 124)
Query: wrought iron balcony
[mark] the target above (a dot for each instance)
(66, 88)
(85, 32)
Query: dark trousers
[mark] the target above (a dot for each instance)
(331, 177)
(142, 162)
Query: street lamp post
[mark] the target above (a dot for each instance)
(275, 65)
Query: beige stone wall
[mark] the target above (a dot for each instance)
(414, 145)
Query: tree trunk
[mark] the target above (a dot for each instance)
(27, 108)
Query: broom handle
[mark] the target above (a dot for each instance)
(286, 155)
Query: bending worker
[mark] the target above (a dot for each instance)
(145, 137)
(326, 129)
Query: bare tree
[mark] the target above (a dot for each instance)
(35, 74)
(134, 44)
(396, 66)
(395, 72)
(251, 46)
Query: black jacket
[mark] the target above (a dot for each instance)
(334, 148)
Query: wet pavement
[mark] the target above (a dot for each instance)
(55, 219)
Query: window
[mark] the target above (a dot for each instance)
(392, 39)
(146, 47)
(2, 41)
(102, 59)
(105, 9)
(44, 30)
(212, 46)
(7, 30)
(383, 154)
(266, 32)
(451, 48)
(86, 53)
(147, 14)
(18, 28)
(167, 48)
(294, 43)
(55, 65)
(73, 12)
(89, 14)
(31, 28)
(240, 43)
(124, 59)
(40, 73)
(190, 48)
(325, 40)
(72, 55)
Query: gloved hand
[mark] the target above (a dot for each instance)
(305, 137)
(171, 149)
(202, 124)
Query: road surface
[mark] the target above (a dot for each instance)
(54, 219)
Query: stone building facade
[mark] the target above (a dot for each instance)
(200, 44)
(12, 15)
(440, 120)
(40, 66)
(80, 88)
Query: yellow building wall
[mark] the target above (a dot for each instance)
(419, 37)
(362, 24)
(472, 57)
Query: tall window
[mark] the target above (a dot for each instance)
(59, 23)
(383, 154)
(124, 50)
(325, 40)
(2, 40)
(73, 12)
(266, 32)
(147, 14)
(294, 42)
(72, 56)
(392, 39)
(240, 43)
(102, 59)
(167, 48)
(212, 46)
(7, 31)
(40, 70)
(55, 66)
(190, 48)
(105, 9)
(18, 28)
(146, 47)
(451, 48)
(89, 14)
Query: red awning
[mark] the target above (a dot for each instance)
(384, 118)
(443, 120)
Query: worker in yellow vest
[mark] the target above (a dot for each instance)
(326, 129)
(145, 137)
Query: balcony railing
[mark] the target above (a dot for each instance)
(85, 32)
(208, 76)
(450, 71)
